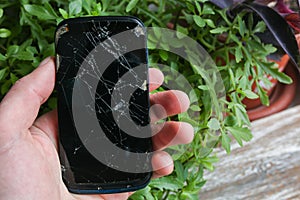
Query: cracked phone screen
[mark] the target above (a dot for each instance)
(103, 104)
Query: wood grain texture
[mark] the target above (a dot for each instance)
(268, 167)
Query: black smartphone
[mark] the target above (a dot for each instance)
(105, 143)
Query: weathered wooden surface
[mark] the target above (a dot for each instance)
(266, 168)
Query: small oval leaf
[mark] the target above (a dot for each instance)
(199, 21)
(131, 5)
(4, 33)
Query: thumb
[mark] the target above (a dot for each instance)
(20, 106)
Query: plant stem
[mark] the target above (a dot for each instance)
(190, 158)
(166, 195)
(152, 17)
(211, 47)
(2, 47)
(176, 18)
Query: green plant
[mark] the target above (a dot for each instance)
(27, 36)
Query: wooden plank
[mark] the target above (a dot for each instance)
(268, 167)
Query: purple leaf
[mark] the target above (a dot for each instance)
(222, 3)
(282, 8)
(279, 28)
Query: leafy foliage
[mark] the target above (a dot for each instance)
(280, 27)
(26, 37)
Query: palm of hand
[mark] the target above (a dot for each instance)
(30, 167)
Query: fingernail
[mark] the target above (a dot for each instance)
(45, 61)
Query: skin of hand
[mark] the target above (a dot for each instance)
(29, 162)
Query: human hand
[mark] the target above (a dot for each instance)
(29, 162)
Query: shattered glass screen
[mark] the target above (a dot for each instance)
(103, 103)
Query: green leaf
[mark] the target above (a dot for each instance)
(142, 194)
(219, 30)
(177, 43)
(211, 159)
(225, 140)
(204, 152)
(230, 120)
(260, 27)
(241, 114)
(49, 9)
(232, 78)
(24, 69)
(214, 124)
(179, 170)
(5, 87)
(164, 55)
(2, 73)
(174, 66)
(269, 48)
(63, 13)
(39, 11)
(1, 12)
(195, 108)
(247, 54)
(240, 134)
(131, 5)
(208, 165)
(280, 76)
(207, 10)
(190, 7)
(13, 78)
(2, 57)
(98, 10)
(210, 23)
(199, 21)
(189, 195)
(24, 55)
(198, 6)
(75, 7)
(238, 54)
(235, 39)
(157, 33)
(194, 95)
(105, 4)
(249, 94)
(25, 44)
(4, 33)
(263, 95)
(240, 107)
(13, 49)
(151, 44)
(242, 26)
(244, 83)
(87, 6)
(49, 51)
(31, 50)
(166, 183)
(252, 44)
(250, 20)
(182, 30)
(203, 87)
